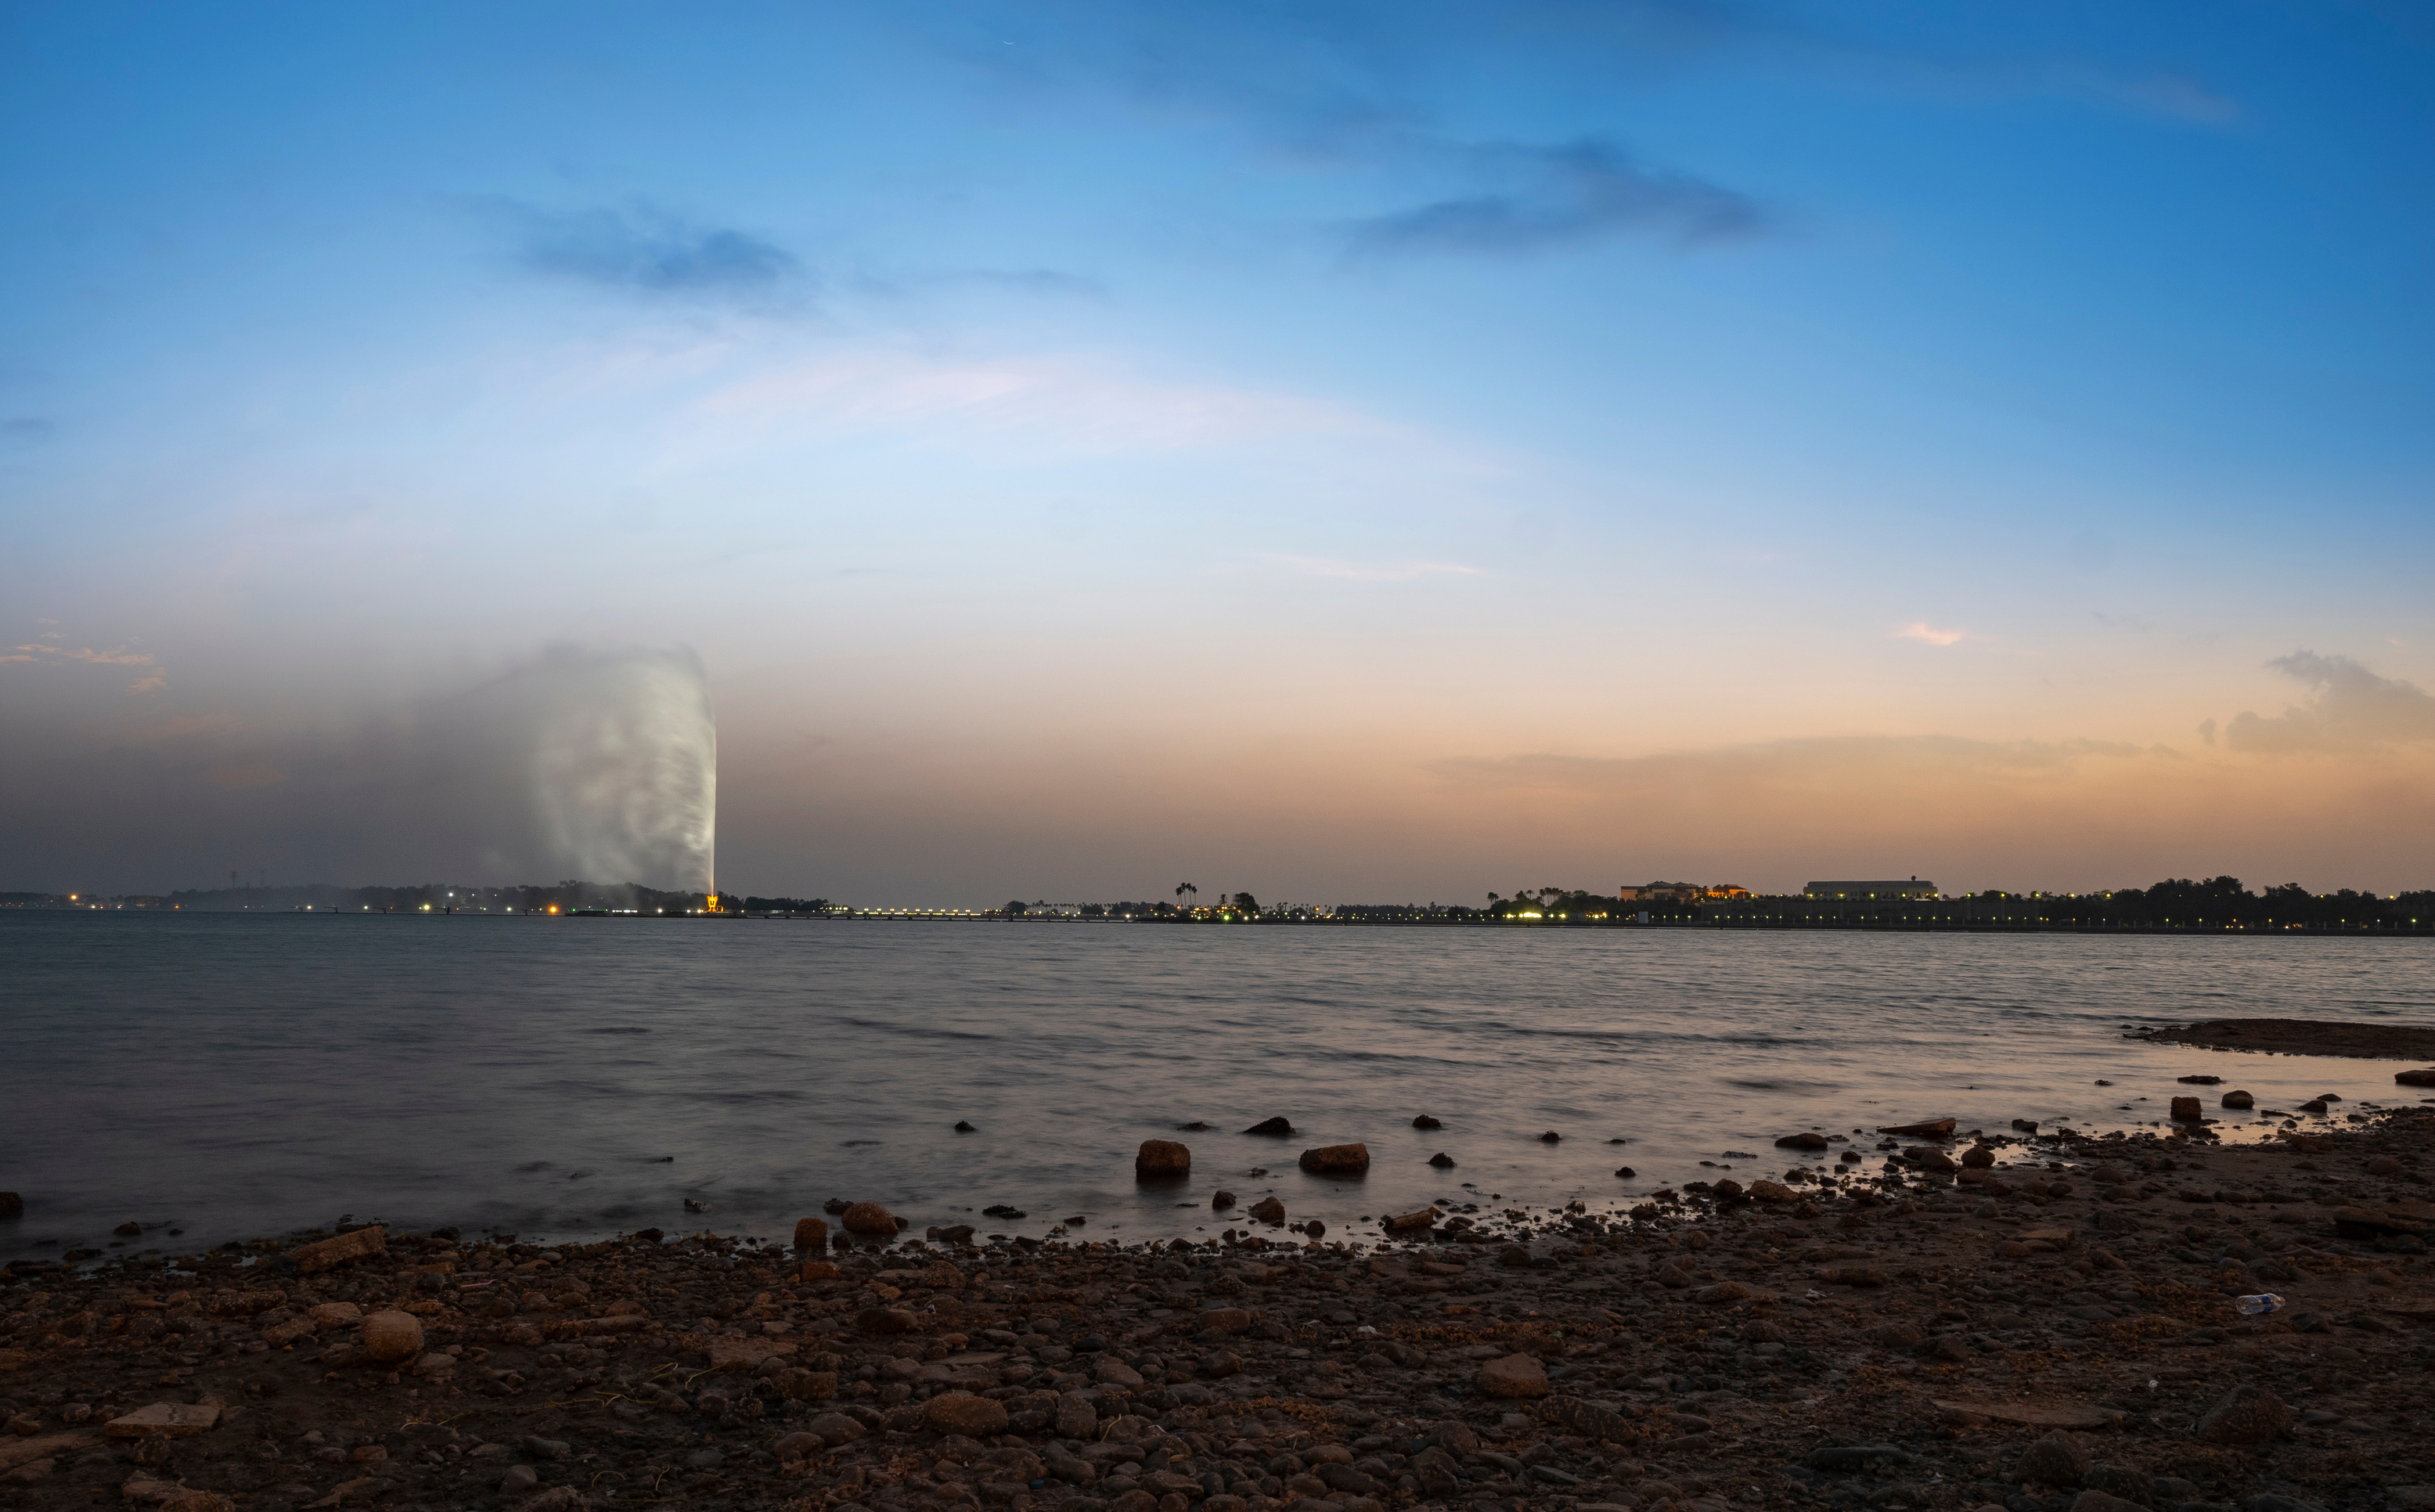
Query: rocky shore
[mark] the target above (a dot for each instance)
(1942, 1319)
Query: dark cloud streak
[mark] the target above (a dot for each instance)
(1563, 196)
(648, 251)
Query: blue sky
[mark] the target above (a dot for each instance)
(1085, 440)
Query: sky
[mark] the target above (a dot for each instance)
(1342, 451)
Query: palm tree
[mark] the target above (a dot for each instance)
(1183, 887)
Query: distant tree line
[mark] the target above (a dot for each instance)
(2218, 902)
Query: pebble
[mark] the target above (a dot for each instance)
(2246, 1415)
(961, 1411)
(392, 1336)
(1513, 1375)
(2058, 1459)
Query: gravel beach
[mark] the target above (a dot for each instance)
(2032, 1321)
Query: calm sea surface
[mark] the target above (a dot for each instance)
(235, 1075)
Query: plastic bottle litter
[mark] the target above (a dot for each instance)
(2261, 1303)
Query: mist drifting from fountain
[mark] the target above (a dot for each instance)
(623, 764)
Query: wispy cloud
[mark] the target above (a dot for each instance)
(2348, 709)
(1399, 571)
(1535, 199)
(1086, 402)
(1806, 762)
(646, 251)
(1933, 635)
(44, 652)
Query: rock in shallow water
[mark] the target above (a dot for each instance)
(869, 1219)
(1337, 1159)
(1162, 1160)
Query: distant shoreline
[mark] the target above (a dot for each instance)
(2379, 931)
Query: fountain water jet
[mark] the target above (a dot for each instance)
(625, 767)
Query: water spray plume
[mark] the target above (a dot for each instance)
(625, 767)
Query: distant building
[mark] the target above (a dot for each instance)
(1662, 892)
(1913, 888)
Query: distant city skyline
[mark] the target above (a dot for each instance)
(1350, 451)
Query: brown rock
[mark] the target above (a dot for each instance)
(1220, 1201)
(390, 1337)
(194, 1498)
(961, 1411)
(1075, 1416)
(835, 1428)
(884, 1320)
(1401, 1223)
(165, 1419)
(1727, 1189)
(2096, 1501)
(1587, 1419)
(1928, 1158)
(1111, 1371)
(869, 1219)
(2058, 1459)
(2385, 1165)
(1722, 1292)
(2238, 1099)
(1269, 1209)
(811, 1233)
(2406, 1079)
(1802, 1142)
(1425, 1121)
(1337, 1159)
(1225, 1320)
(2247, 1415)
(1975, 1412)
(1514, 1376)
(329, 1252)
(797, 1445)
(818, 1270)
(808, 1386)
(1978, 1157)
(2185, 1110)
(1773, 1192)
(1934, 1128)
(335, 1316)
(1161, 1160)
(1442, 1160)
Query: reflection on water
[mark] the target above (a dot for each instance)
(239, 1075)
